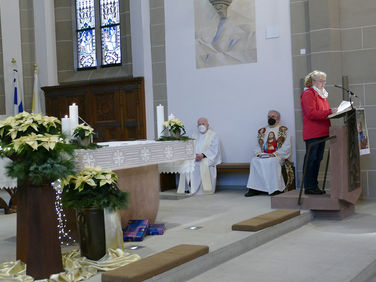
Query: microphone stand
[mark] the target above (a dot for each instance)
(349, 92)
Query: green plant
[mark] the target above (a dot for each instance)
(174, 126)
(93, 187)
(35, 145)
(83, 131)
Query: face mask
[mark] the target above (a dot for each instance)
(271, 121)
(202, 128)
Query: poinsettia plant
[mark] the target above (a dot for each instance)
(83, 131)
(93, 187)
(35, 144)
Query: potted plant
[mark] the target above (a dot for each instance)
(40, 156)
(84, 134)
(173, 130)
(91, 191)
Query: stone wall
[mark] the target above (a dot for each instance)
(158, 53)
(338, 37)
(28, 50)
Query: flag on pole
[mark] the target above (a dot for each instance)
(36, 107)
(18, 105)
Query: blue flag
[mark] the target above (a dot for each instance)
(18, 105)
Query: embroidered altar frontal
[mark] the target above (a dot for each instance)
(135, 230)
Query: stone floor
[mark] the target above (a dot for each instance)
(301, 249)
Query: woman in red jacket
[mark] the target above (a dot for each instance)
(315, 110)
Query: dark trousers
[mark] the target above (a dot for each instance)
(313, 162)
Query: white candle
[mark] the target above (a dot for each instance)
(160, 119)
(73, 116)
(171, 116)
(65, 126)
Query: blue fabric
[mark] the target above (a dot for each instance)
(313, 163)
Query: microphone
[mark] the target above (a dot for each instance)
(347, 90)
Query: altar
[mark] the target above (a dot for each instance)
(136, 164)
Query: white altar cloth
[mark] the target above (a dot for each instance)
(5, 181)
(181, 167)
(130, 154)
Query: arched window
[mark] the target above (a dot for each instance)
(87, 14)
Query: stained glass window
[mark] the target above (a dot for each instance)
(110, 32)
(86, 51)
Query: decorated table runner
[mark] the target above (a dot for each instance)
(129, 154)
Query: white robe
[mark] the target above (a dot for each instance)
(213, 158)
(265, 173)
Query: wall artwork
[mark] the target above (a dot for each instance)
(225, 32)
(363, 141)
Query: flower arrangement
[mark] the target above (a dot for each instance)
(35, 145)
(173, 130)
(95, 188)
(174, 126)
(24, 124)
(83, 131)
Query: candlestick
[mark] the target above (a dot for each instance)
(160, 119)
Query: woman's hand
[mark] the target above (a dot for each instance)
(334, 110)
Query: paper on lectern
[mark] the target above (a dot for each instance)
(344, 106)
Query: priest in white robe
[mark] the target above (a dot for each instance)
(273, 148)
(208, 155)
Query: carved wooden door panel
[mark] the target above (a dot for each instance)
(115, 109)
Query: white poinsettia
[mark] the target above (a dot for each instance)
(174, 126)
(35, 141)
(83, 131)
(92, 176)
(17, 125)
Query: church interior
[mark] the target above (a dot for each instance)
(127, 68)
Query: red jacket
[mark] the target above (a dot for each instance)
(315, 112)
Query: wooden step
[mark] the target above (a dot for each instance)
(155, 264)
(265, 220)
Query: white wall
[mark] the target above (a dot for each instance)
(45, 45)
(234, 98)
(11, 43)
(141, 55)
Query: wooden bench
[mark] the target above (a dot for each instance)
(233, 167)
(155, 264)
(288, 171)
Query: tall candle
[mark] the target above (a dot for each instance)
(171, 116)
(65, 126)
(160, 119)
(73, 116)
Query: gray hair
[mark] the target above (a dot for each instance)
(274, 111)
(313, 76)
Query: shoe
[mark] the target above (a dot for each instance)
(251, 192)
(276, 193)
(315, 191)
(187, 192)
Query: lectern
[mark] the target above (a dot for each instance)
(344, 164)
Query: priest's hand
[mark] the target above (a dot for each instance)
(199, 157)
